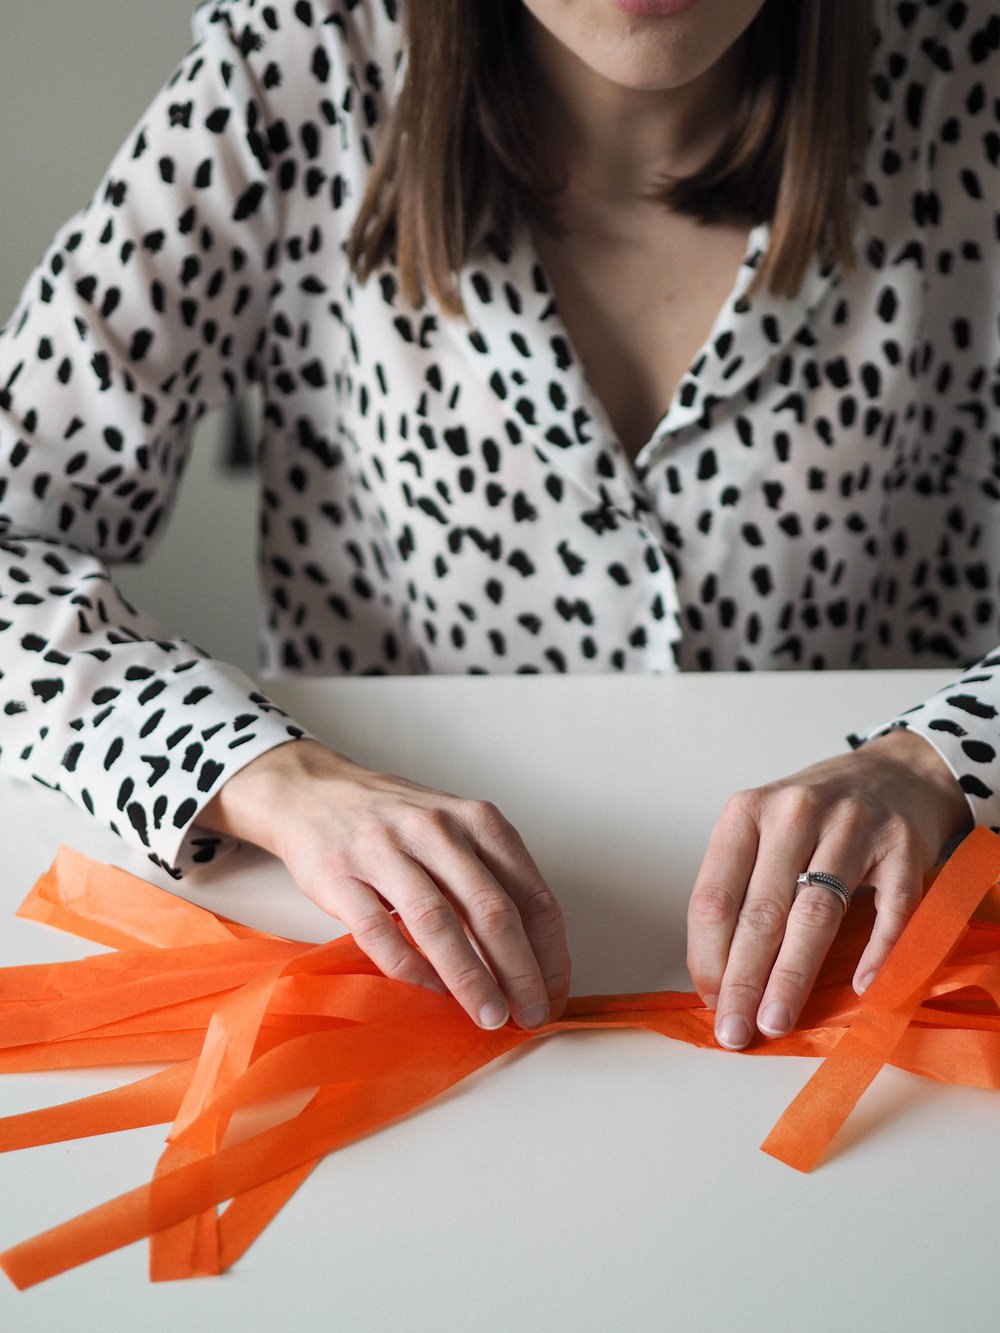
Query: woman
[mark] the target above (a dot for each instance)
(460, 474)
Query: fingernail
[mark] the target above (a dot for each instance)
(733, 1032)
(865, 982)
(535, 1015)
(776, 1019)
(493, 1014)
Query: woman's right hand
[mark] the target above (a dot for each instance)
(360, 843)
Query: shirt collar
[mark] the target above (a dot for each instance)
(748, 334)
(516, 335)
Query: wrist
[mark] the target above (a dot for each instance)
(253, 804)
(948, 807)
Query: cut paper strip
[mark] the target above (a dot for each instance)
(805, 1130)
(247, 1021)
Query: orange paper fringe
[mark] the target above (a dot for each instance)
(246, 1017)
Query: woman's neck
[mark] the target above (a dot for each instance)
(612, 144)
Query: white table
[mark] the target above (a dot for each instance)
(598, 1181)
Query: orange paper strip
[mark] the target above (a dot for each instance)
(109, 906)
(804, 1132)
(150, 1101)
(267, 1018)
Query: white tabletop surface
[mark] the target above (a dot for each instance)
(594, 1181)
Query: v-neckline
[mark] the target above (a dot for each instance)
(531, 363)
(733, 261)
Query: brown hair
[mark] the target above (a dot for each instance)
(459, 156)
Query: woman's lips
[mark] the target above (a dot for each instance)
(655, 8)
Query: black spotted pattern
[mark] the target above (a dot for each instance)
(440, 495)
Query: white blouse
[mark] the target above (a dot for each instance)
(440, 495)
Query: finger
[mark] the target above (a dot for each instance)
(438, 930)
(898, 880)
(815, 917)
(495, 924)
(504, 854)
(784, 849)
(717, 897)
(366, 915)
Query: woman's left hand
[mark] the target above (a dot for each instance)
(877, 816)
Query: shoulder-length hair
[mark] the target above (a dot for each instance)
(459, 158)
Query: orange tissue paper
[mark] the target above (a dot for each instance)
(240, 1017)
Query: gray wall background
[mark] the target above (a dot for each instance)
(75, 78)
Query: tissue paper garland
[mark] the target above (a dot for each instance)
(248, 1017)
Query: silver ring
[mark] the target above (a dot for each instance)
(825, 881)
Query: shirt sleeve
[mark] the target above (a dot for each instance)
(962, 722)
(147, 310)
(954, 64)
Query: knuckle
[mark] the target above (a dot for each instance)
(486, 817)
(896, 828)
(791, 980)
(524, 987)
(764, 918)
(421, 824)
(376, 934)
(496, 914)
(372, 929)
(338, 864)
(818, 910)
(740, 807)
(742, 993)
(713, 904)
(542, 912)
(468, 981)
(847, 819)
(797, 804)
(739, 800)
(403, 966)
(856, 815)
(430, 917)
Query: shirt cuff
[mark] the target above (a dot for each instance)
(148, 764)
(964, 729)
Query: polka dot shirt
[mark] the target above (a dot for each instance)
(448, 495)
